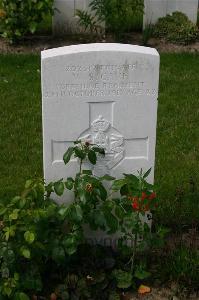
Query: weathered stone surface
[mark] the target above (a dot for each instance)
(105, 93)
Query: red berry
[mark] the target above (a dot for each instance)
(144, 196)
(152, 196)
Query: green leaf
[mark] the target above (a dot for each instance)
(59, 188)
(29, 237)
(22, 203)
(99, 218)
(99, 150)
(92, 157)
(14, 215)
(63, 211)
(33, 27)
(131, 176)
(107, 178)
(87, 172)
(119, 212)
(124, 190)
(71, 250)
(25, 252)
(16, 276)
(142, 274)
(70, 245)
(75, 213)
(7, 290)
(40, 5)
(149, 186)
(147, 173)
(82, 196)
(49, 187)
(3, 210)
(21, 296)
(7, 235)
(13, 6)
(15, 199)
(79, 153)
(28, 184)
(69, 183)
(123, 279)
(68, 154)
(79, 212)
(131, 179)
(117, 184)
(114, 296)
(58, 254)
(111, 222)
(18, 33)
(101, 191)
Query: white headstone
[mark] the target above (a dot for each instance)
(65, 19)
(155, 9)
(105, 93)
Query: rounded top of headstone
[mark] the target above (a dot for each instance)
(95, 47)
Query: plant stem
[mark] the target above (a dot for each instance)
(80, 166)
(134, 252)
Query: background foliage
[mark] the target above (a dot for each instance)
(19, 18)
(176, 28)
(118, 16)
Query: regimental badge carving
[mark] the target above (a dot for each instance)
(104, 135)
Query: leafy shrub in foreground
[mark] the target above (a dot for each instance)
(29, 229)
(176, 28)
(18, 17)
(37, 235)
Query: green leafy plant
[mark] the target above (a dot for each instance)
(37, 233)
(176, 28)
(116, 14)
(147, 34)
(21, 17)
(88, 22)
(124, 215)
(31, 235)
(123, 279)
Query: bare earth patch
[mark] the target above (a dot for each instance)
(172, 292)
(36, 44)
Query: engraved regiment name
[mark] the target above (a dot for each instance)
(101, 81)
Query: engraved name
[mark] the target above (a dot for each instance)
(137, 65)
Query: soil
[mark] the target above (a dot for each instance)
(35, 44)
(172, 292)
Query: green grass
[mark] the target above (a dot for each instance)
(20, 126)
(177, 151)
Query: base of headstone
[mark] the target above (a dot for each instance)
(99, 237)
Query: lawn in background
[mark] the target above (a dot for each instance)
(177, 151)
